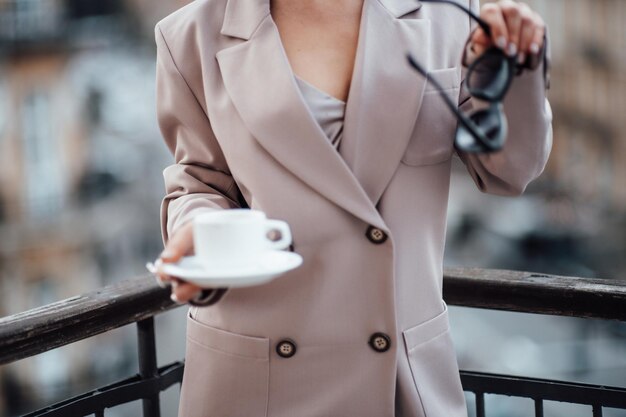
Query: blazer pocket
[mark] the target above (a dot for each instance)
(226, 373)
(433, 363)
(448, 78)
(432, 139)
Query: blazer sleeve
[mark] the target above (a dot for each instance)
(529, 116)
(200, 179)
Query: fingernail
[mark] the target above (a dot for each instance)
(512, 49)
(501, 42)
(521, 58)
(175, 299)
(534, 48)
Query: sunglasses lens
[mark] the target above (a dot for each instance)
(491, 125)
(489, 76)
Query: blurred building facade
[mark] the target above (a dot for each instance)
(589, 95)
(77, 136)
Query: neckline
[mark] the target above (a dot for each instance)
(318, 90)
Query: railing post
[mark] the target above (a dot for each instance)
(597, 410)
(538, 407)
(480, 404)
(148, 363)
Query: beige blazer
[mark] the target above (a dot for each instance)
(360, 329)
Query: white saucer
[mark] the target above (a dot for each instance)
(265, 267)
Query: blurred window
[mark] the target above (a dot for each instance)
(23, 19)
(42, 158)
(85, 8)
(4, 98)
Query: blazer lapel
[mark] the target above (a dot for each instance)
(385, 97)
(386, 94)
(259, 80)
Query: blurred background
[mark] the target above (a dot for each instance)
(81, 161)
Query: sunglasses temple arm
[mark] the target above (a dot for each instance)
(484, 25)
(465, 121)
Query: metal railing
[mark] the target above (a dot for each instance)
(139, 300)
(544, 294)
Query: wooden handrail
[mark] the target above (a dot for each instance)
(530, 292)
(54, 325)
(64, 322)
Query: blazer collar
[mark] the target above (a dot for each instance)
(242, 17)
(260, 82)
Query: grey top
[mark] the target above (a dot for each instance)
(326, 109)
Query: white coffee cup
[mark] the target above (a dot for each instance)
(232, 237)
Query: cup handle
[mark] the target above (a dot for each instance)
(285, 234)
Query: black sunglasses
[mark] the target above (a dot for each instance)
(488, 78)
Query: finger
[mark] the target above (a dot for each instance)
(513, 19)
(529, 26)
(163, 279)
(537, 41)
(179, 244)
(183, 292)
(535, 48)
(479, 41)
(155, 269)
(492, 14)
(175, 281)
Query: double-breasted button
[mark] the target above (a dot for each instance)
(380, 342)
(286, 348)
(376, 235)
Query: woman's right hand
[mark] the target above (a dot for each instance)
(180, 244)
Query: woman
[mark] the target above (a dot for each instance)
(308, 111)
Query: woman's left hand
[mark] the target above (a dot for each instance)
(515, 28)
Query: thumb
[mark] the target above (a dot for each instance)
(480, 41)
(179, 245)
